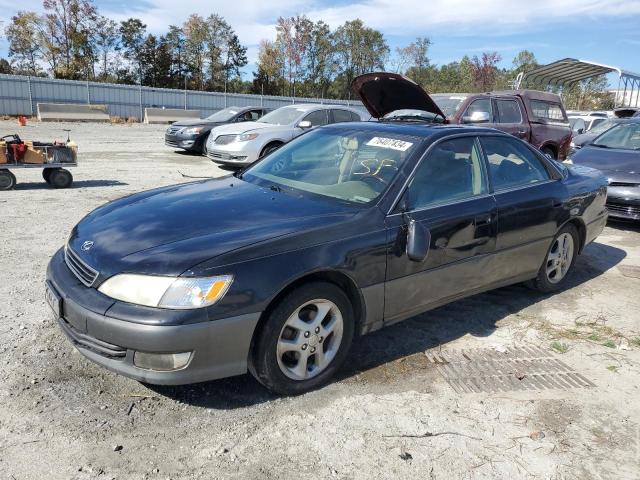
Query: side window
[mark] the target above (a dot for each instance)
(547, 110)
(317, 118)
(508, 111)
(341, 116)
(255, 114)
(477, 111)
(355, 117)
(452, 171)
(511, 163)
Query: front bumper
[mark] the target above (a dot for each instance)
(220, 348)
(237, 153)
(180, 141)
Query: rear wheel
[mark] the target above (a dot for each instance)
(559, 262)
(60, 178)
(46, 174)
(549, 152)
(305, 339)
(7, 180)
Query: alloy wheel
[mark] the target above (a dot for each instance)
(310, 339)
(560, 258)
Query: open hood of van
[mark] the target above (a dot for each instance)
(383, 93)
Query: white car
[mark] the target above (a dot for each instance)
(240, 144)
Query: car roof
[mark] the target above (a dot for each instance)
(316, 106)
(415, 129)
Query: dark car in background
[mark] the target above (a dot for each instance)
(191, 135)
(616, 153)
(343, 230)
(539, 118)
(580, 140)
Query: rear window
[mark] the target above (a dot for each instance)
(547, 110)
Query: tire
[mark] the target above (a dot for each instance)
(46, 174)
(7, 180)
(60, 178)
(550, 152)
(272, 147)
(552, 276)
(283, 343)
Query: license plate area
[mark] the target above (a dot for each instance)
(53, 299)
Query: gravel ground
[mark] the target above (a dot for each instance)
(390, 414)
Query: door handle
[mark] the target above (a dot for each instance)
(486, 220)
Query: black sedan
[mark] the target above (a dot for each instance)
(191, 135)
(342, 231)
(617, 154)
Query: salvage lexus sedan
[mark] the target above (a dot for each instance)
(342, 231)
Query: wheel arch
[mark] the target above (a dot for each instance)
(580, 226)
(551, 146)
(273, 141)
(336, 277)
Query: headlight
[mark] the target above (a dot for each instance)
(167, 292)
(191, 131)
(572, 145)
(245, 137)
(568, 160)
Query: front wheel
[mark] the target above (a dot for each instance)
(559, 262)
(304, 340)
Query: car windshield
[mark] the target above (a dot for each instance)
(347, 164)
(602, 127)
(625, 136)
(449, 104)
(223, 115)
(283, 116)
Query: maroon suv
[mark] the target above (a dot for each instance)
(537, 117)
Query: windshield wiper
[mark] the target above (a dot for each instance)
(600, 145)
(275, 188)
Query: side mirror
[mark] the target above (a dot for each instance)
(418, 241)
(305, 124)
(580, 131)
(477, 117)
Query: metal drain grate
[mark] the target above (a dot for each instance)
(516, 368)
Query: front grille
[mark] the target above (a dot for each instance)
(85, 341)
(624, 210)
(173, 130)
(171, 143)
(623, 184)
(224, 139)
(80, 269)
(226, 157)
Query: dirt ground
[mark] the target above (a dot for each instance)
(390, 414)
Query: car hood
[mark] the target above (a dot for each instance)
(169, 230)
(383, 93)
(618, 165)
(244, 127)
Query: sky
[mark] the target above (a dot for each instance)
(604, 31)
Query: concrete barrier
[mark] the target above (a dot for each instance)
(169, 115)
(58, 112)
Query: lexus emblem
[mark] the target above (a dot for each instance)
(87, 245)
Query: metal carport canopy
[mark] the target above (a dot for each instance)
(570, 70)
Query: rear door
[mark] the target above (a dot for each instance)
(528, 194)
(511, 117)
(448, 194)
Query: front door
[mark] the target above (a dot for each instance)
(448, 194)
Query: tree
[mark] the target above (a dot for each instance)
(176, 44)
(5, 67)
(416, 55)
(268, 79)
(293, 34)
(132, 38)
(360, 50)
(24, 46)
(484, 70)
(107, 43)
(71, 24)
(235, 59)
(320, 60)
(196, 32)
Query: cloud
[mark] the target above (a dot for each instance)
(462, 17)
